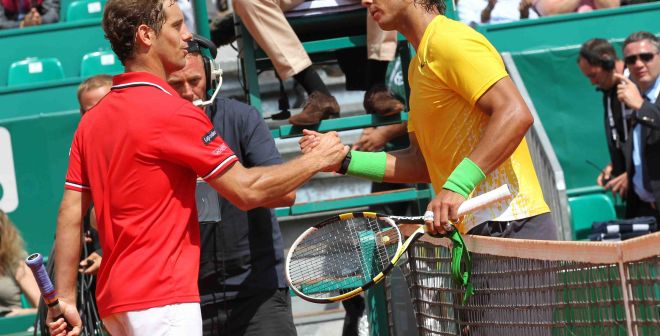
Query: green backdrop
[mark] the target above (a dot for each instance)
(40, 151)
(570, 109)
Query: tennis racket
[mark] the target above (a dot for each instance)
(36, 263)
(346, 254)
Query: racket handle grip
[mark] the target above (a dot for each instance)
(484, 199)
(36, 263)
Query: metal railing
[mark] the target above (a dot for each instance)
(548, 170)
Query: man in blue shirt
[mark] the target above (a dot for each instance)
(641, 51)
(242, 286)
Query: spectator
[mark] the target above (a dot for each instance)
(556, 7)
(141, 175)
(476, 12)
(266, 22)
(640, 93)
(19, 13)
(15, 275)
(599, 63)
(242, 286)
(91, 90)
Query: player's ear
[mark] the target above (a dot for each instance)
(144, 36)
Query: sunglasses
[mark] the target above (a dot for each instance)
(645, 57)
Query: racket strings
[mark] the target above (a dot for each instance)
(341, 256)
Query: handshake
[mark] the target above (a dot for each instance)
(325, 151)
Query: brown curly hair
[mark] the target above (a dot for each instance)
(432, 5)
(12, 251)
(121, 18)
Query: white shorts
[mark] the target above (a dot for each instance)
(175, 319)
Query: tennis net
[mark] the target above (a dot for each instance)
(529, 287)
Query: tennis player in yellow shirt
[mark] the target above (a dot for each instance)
(467, 124)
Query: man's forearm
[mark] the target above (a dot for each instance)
(287, 200)
(270, 185)
(67, 243)
(406, 165)
(260, 186)
(394, 131)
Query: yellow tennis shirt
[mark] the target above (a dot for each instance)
(453, 67)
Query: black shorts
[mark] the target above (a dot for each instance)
(540, 227)
(266, 313)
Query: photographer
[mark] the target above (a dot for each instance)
(599, 63)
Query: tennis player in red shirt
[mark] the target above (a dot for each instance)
(136, 156)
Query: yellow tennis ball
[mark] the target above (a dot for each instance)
(385, 239)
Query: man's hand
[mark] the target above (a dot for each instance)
(445, 211)
(328, 151)
(628, 93)
(33, 18)
(91, 264)
(371, 140)
(618, 185)
(58, 328)
(309, 140)
(604, 176)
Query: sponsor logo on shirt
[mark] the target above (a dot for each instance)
(221, 149)
(208, 137)
(8, 187)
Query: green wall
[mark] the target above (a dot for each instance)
(570, 109)
(34, 99)
(40, 151)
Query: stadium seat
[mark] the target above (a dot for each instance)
(64, 5)
(35, 70)
(586, 209)
(100, 62)
(85, 9)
